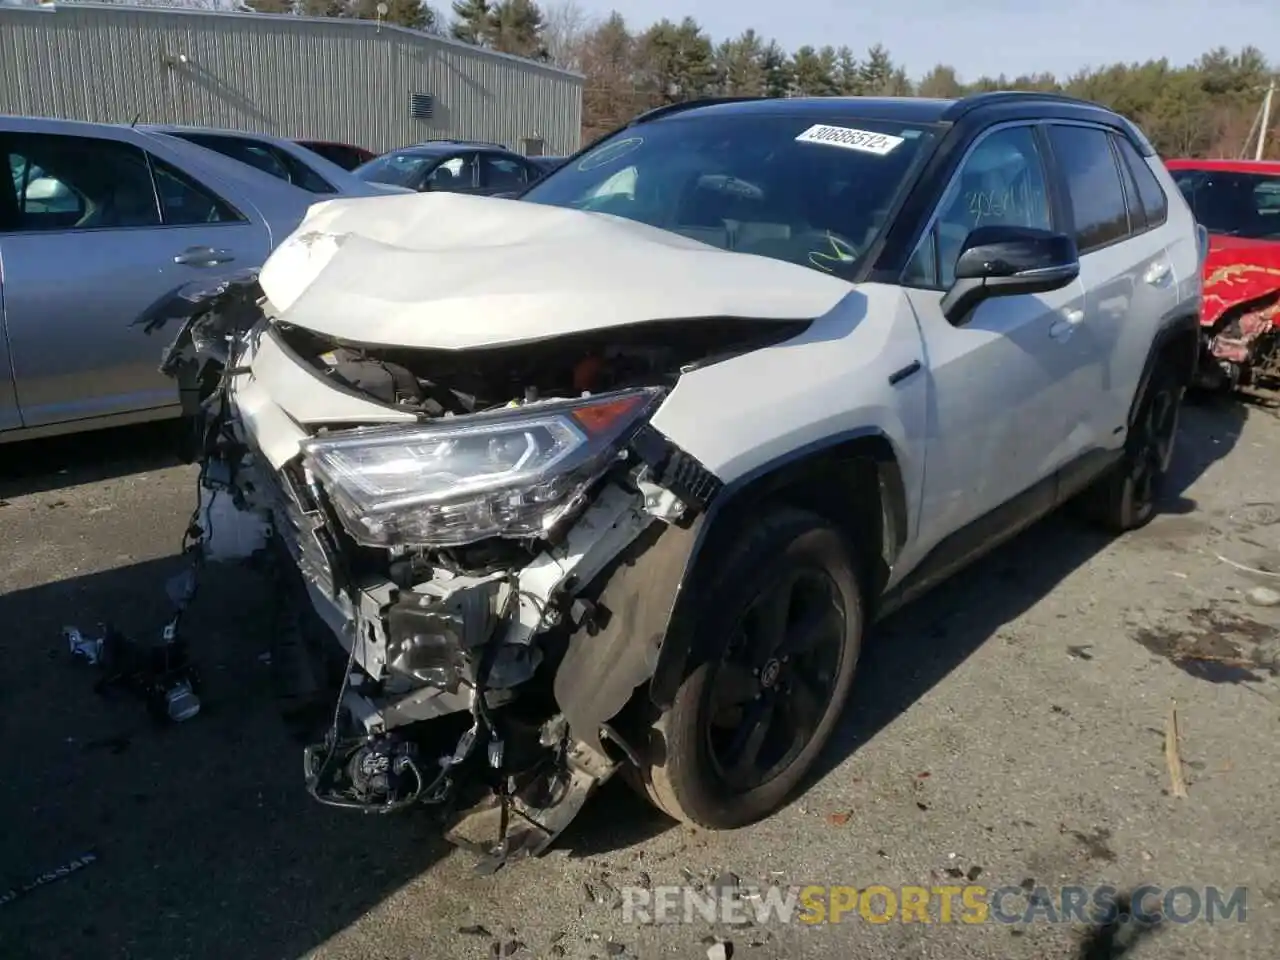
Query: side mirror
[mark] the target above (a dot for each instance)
(1005, 261)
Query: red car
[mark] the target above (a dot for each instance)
(345, 155)
(1238, 203)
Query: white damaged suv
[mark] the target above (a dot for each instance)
(615, 477)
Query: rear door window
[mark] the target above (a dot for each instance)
(61, 182)
(1094, 190)
(502, 173)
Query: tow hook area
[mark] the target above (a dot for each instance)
(503, 801)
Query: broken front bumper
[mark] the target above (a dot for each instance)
(579, 618)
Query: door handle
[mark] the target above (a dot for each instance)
(1063, 328)
(1157, 273)
(203, 257)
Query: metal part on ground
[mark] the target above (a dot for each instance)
(508, 827)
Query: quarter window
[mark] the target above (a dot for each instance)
(1133, 202)
(186, 203)
(1000, 183)
(1154, 203)
(78, 183)
(1093, 185)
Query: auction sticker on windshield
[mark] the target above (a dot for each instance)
(851, 139)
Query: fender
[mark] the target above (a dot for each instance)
(649, 596)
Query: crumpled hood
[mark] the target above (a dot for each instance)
(1236, 271)
(454, 271)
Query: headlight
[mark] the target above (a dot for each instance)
(513, 473)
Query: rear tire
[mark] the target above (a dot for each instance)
(787, 598)
(1125, 498)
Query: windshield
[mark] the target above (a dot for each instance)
(781, 187)
(1233, 204)
(399, 169)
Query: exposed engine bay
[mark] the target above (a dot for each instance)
(487, 562)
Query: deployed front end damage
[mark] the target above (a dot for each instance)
(496, 537)
(1241, 322)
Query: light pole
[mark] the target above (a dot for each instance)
(1266, 120)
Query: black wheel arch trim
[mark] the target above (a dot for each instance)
(755, 486)
(1179, 332)
(648, 596)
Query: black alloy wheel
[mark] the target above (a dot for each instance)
(776, 678)
(777, 635)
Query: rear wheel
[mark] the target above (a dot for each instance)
(749, 720)
(1126, 497)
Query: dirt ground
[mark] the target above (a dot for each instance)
(1010, 728)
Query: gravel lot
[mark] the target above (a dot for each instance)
(1013, 722)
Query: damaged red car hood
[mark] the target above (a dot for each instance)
(1237, 271)
(452, 271)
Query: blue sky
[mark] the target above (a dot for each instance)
(984, 36)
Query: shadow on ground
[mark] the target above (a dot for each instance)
(917, 648)
(208, 846)
(35, 466)
(207, 843)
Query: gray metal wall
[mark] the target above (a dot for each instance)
(342, 80)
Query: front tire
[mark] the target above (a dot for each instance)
(786, 614)
(1126, 497)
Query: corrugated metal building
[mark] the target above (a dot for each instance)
(357, 81)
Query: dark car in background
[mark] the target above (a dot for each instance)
(453, 166)
(346, 155)
(549, 164)
(283, 159)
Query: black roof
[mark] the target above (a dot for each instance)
(996, 105)
(906, 109)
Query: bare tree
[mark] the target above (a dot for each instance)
(565, 28)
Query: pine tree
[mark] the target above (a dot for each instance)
(515, 26)
(875, 74)
(777, 71)
(472, 22)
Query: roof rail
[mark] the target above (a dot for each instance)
(668, 109)
(968, 104)
(976, 100)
